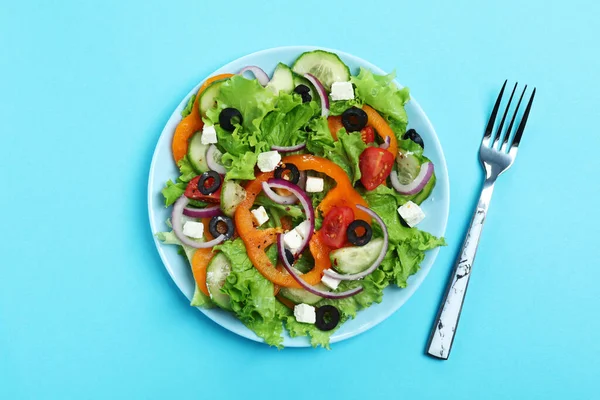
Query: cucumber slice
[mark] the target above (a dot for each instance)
(300, 296)
(232, 194)
(352, 260)
(216, 273)
(209, 95)
(282, 80)
(408, 167)
(326, 66)
(197, 153)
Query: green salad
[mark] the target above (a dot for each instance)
(298, 197)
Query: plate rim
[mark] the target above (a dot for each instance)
(411, 287)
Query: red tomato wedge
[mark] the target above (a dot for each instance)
(375, 166)
(192, 192)
(335, 225)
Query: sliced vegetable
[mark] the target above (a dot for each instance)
(208, 99)
(213, 160)
(260, 75)
(176, 221)
(282, 80)
(386, 144)
(377, 261)
(232, 194)
(277, 198)
(321, 92)
(375, 166)
(354, 259)
(382, 128)
(335, 124)
(335, 225)
(368, 136)
(300, 296)
(323, 293)
(289, 149)
(325, 66)
(207, 212)
(216, 274)
(408, 167)
(359, 232)
(196, 153)
(415, 186)
(192, 123)
(304, 92)
(199, 262)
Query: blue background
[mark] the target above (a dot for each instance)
(87, 309)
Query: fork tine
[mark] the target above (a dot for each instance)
(499, 130)
(512, 121)
(521, 128)
(490, 124)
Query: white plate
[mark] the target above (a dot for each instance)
(436, 207)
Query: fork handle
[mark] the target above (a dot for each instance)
(442, 334)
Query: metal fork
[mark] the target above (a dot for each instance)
(496, 156)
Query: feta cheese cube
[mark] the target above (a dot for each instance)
(342, 91)
(411, 213)
(303, 229)
(268, 161)
(209, 135)
(314, 185)
(292, 240)
(260, 215)
(305, 313)
(331, 283)
(193, 229)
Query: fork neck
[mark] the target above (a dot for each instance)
(486, 193)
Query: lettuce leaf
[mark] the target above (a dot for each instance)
(338, 107)
(353, 147)
(252, 100)
(381, 93)
(188, 107)
(319, 137)
(174, 190)
(251, 294)
(283, 126)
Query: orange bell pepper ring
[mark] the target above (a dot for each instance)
(200, 262)
(343, 194)
(192, 123)
(257, 241)
(382, 127)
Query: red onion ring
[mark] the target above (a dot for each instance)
(277, 198)
(306, 286)
(212, 162)
(289, 149)
(304, 201)
(417, 184)
(377, 262)
(207, 212)
(178, 208)
(386, 144)
(259, 74)
(322, 93)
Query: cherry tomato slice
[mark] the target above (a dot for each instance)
(334, 226)
(368, 134)
(192, 192)
(375, 165)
